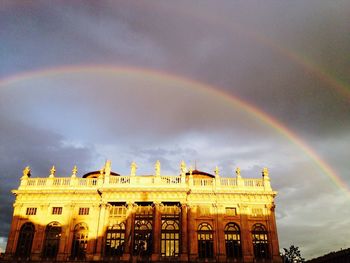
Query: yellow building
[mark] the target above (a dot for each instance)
(104, 216)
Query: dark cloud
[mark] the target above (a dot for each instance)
(22, 145)
(288, 58)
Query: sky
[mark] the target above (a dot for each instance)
(247, 84)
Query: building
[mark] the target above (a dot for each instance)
(104, 216)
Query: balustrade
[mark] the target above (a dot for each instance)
(143, 181)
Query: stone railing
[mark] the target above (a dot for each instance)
(154, 182)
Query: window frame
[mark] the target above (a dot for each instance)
(205, 238)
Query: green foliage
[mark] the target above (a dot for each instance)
(292, 255)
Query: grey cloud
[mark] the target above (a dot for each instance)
(22, 145)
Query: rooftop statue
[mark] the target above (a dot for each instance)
(217, 171)
(26, 171)
(108, 168)
(133, 167)
(265, 172)
(52, 171)
(74, 171)
(183, 167)
(238, 172)
(157, 168)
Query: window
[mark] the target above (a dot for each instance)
(170, 238)
(57, 210)
(231, 211)
(205, 241)
(31, 211)
(115, 238)
(80, 240)
(117, 211)
(260, 242)
(233, 241)
(52, 240)
(83, 210)
(25, 240)
(143, 232)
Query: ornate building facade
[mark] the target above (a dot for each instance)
(104, 216)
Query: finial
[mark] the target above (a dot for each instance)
(195, 164)
(191, 170)
(133, 167)
(74, 171)
(217, 171)
(265, 172)
(238, 172)
(157, 168)
(26, 171)
(52, 171)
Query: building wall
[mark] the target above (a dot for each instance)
(215, 201)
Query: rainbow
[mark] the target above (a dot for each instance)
(229, 98)
(302, 61)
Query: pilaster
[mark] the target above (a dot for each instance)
(156, 232)
(246, 239)
(184, 233)
(192, 237)
(129, 233)
(101, 227)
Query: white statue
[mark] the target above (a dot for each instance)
(74, 171)
(265, 172)
(183, 168)
(191, 170)
(217, 171)
(238, 172)
(133, 167)
(157, 168)
(26, 171)
(52, 171)
(108, 168)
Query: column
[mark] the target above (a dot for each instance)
(192, 233)
(156, 232)
(69, 231)
(220, 235)
(184, 233)
(39, 236)
(273, 237)
(14, 232)
(129, 233)
(246, 237)
(101, 229)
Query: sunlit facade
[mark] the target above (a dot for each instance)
(192, 217)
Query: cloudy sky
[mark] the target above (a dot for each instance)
(86, 81)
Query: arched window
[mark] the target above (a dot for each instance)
(80, 240)
(143, 237)
(260, 242)
(115, 238)
(52, 240)
(170, 238)
(233, 241)
(205, 241)
(25, 240)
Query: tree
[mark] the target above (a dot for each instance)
(292, 255)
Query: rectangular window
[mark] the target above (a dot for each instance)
(117, 211)
(83, 210)
(31, 211)
(57, 210)
(231, 211)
